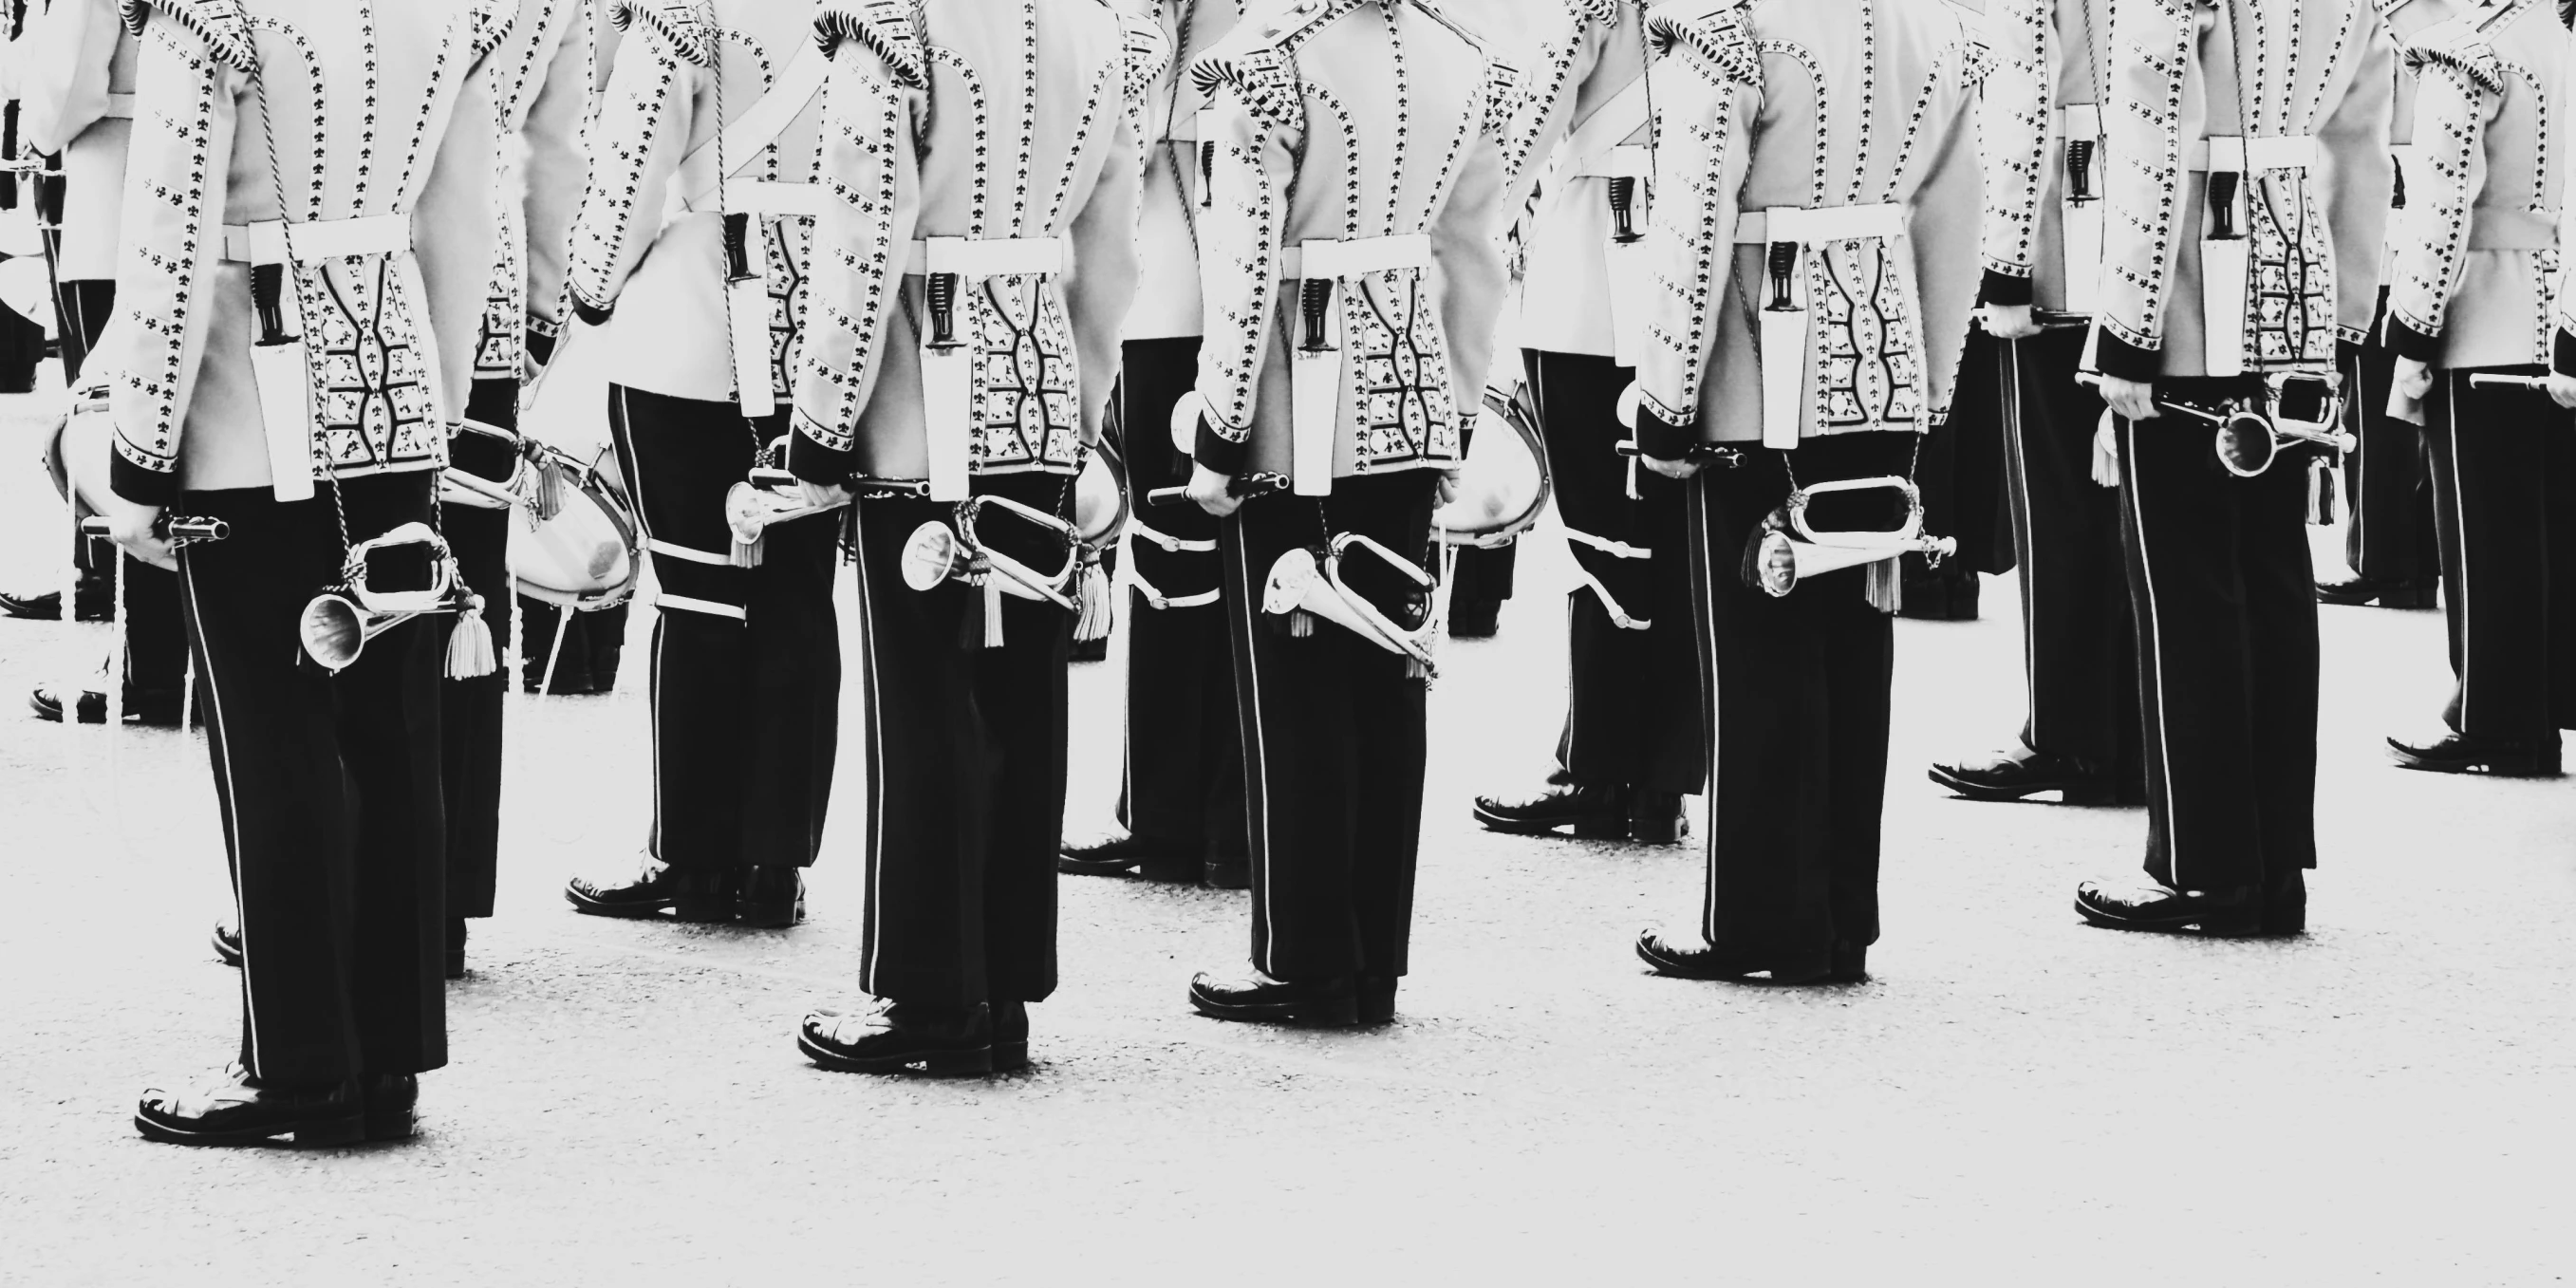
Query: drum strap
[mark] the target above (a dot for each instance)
(1155, 598)
(1167, 542)
(1618, 550)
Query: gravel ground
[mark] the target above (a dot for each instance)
(2015, 1098)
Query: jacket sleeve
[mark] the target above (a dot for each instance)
(187, 105)
(1102, 286)
(2455, 97)
(1704, 116)
(643, 128)
(1466, 248)
(2150, 60)
(61, 60)
(2360, 179)
(456, 240)
(871, 176)
(2013, 124)
(555, 169)
(1239, 244)
(1948, 201)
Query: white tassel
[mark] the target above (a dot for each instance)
(1094, 620)
(742, 554)
(547, 501)
(2106, 453)
(1633, 493)
(992, 613)
(1300, 624)
(469, 646)
(1884, 583)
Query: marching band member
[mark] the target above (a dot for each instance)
(2040, 126)
(2469, 296)
(1841, 243)
(972, 267)
(702, 194)
(287, 286)
(2242, 226)
(1180, 804)
(1629, 750)
(1352, 277)
(541, 90)
(2389, 539)
(75, 65)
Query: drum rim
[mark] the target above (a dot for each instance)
(1513, 406)
(588, 479)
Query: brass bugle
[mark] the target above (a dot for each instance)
(2246, 440)
(334, 630)
(1782, 560)
(177, 529)
(936, 553)
(1300, 581)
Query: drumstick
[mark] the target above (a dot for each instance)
(2495, 380)
(1240, 486)
(1717, 454)
(178, 530)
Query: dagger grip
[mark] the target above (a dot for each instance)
(941, 292)
(2079, 169)
(2222, 204)
(1623, 209)
(1314, 300)
(1784, 265)
(267, 296)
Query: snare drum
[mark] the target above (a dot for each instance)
(1504, 486)
(78, 452)
(589, 556)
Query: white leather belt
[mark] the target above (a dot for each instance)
(320, 239)
(1823, 224)
(986, 257)
(120, 107)
(1341, 259)
(2078, 121)
(769, 198)
(2259, 154)
(1624, 161)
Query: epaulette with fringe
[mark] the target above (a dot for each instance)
(886, 27)
(492, 19)
(1714, 32)
(1259, 62)
(2456, 43)
(220, 23)
(682, 24)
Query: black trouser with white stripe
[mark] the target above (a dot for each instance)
(2078, 647)
(2226, 609)
(2387, 477)
(966, 763)
(329, 785)
(472, 708)
(1796, 689)
(746, 678)
(1184, 767)
(156, 646)
(1333, 738)
(1630, 715)
(2504, 476)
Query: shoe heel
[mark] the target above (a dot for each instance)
(2089, 794)
(399, 1125)
(704, 908)
(959, 1063)
(1327, 1013)
(1010, 1057)
(334, 1131)
(1602, 828)
(768, 916)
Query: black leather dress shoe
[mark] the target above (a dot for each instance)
(645, 892)
(2357, 591)
(1595, 812)
(1655, 818)
(456, 948)
(227, 942)
(2019, 772)
(43, 606)
(1251, 995)
(1010, 1036)
(1118, 851)
(392, 1102)
(1376, 994)
(2458, 753)
(891, 1037)
(770, 896)
(2162, 910)
(1849, 964)
(159, 710)
(1686, 959)
(242, 1110)
(1227, 874)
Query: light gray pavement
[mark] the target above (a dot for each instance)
(2015, 1099)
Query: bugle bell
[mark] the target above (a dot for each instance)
(1304, 581)
(334, 629)
(1790, 550)
(936, 553)
(337, 623)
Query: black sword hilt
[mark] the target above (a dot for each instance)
(1314, 301)
(1207, 174)
(1784, 265)
(2079, 170)
(2397, 186)
(737, 246)
(1623, 210)
(941, 293)
(2222, 204)
(268, 298)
